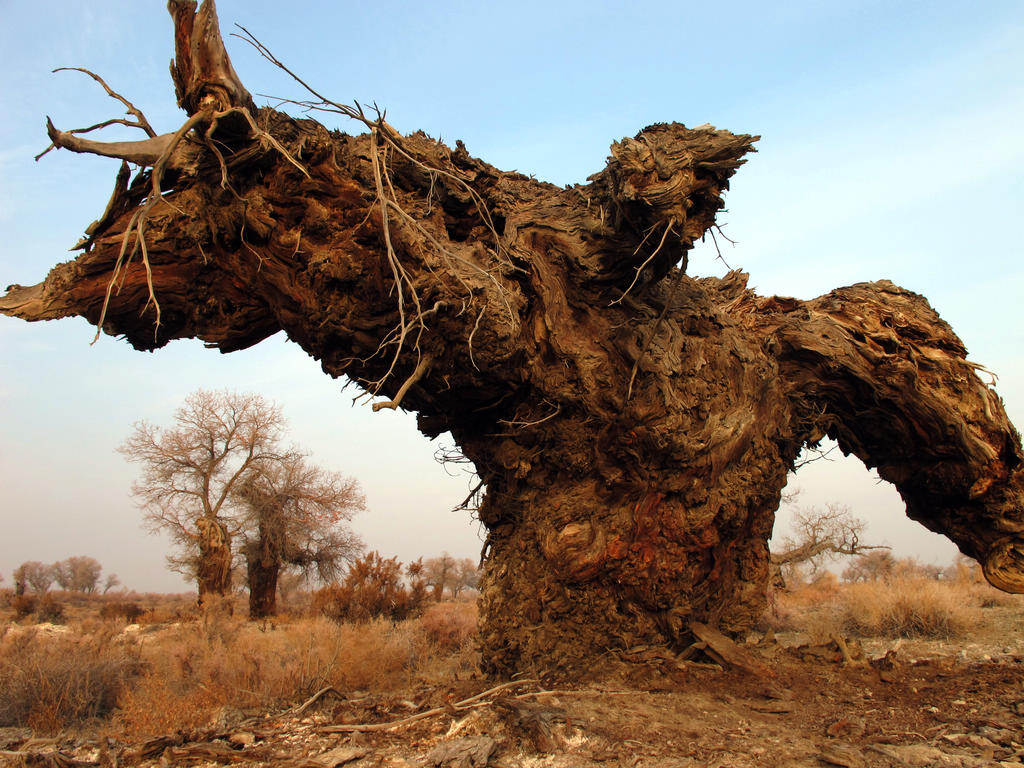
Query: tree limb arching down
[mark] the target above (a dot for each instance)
(633, 425)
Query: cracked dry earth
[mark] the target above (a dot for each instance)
(780, 703)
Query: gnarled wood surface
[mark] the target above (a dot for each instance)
(633, 425)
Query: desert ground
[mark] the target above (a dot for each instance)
(908, 673)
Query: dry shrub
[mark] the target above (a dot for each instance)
(372, 587)
(129, 611)
(908, 607)
(194, 670)
(448, 649)
(157, 705)
(50, 681)
(449, 626)
(810, 608)
(169, 609)
(373, 655)
(50, 610)
(984, 595)
(23, 605)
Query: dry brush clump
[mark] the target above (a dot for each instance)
(450, 626)
(374, 586)
(52, 680)
(24, 606)
(806, 607)
(46, 609)
(128, 610)
(902, 604)
(228, 662)
(450, 641)
(909, 607)
(153, 679)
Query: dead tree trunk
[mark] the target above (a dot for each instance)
(213, 567)
(633, 425)
(264, 552)
(263, 566)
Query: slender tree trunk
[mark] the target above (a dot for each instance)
(633, 425)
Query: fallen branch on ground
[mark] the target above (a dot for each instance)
(465, 704)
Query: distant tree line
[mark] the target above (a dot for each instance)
(73, 574)
(33, 580)
(448, 574)
(819, 536)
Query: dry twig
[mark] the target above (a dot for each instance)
(643, 266)
(421, 369)
(465, 704)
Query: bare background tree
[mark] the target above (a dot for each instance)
(190, 469)
(819, 536)
(34, 575)
(295, 515)
(78, 574)
(220, 473)
(112, 580)
(451, 574)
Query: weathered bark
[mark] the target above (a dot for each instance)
(213, 567)
(633, 425)
(263, 565)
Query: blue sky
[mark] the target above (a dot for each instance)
(891, 148)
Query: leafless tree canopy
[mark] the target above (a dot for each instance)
(447, 573)
(112, 580)
(220, 475)
(78, 574)
(296, 514)
(191, 469)
(820, 534)
(35, 575)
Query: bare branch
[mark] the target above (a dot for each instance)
(140, 119)
(145, 152)
(68, 138)
(648, 260)
(820, 533)
(818, 455)
(471, 703)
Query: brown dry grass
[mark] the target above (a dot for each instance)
(450, 626)
(900, 607)
(195, 670)
(158, 679)
(53, 680)
(909, 607)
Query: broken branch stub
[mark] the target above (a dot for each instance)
(204, 79)
(633, 426)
